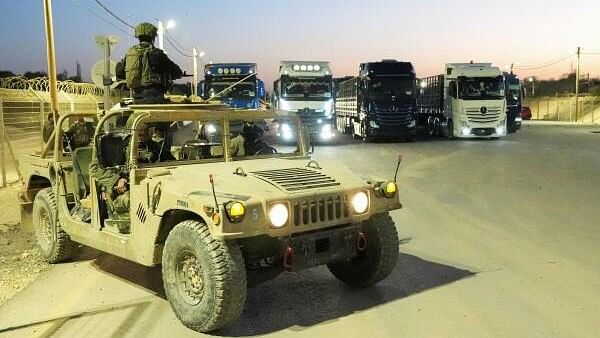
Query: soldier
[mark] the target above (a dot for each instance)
(48, 127)
(114, 187)
(149, 150)
(147, 69)
(80, 133)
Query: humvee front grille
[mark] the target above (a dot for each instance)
(296, 179)
(322, 209)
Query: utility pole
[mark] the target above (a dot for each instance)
(51, 61)
(577, 83)
(195, 78)
(161, 33)
(106, 43)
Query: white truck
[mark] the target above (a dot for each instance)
(467, 101)
(306, 87)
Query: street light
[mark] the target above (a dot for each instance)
(532, 85)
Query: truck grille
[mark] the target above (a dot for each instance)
(475, 115)
(296, 179)
(393, 115)
(322, 209)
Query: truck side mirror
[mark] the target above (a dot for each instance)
(452, 90)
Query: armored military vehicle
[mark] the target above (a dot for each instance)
(213, 198)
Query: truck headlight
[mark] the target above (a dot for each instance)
(235, 211)
(373, 124)
(278, 215)
(211, 129)
(286, 132)
(360, 202)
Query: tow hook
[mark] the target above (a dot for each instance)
(361, 241)
(288, 257)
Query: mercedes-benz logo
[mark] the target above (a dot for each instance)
(483, 110)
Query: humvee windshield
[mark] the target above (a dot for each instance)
(180, 141)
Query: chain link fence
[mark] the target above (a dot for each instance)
(562, 108)
(25, 112)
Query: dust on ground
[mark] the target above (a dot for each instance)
(20, 259)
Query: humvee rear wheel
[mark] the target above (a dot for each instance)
(378, 259)
(55, 244)
(204, 277)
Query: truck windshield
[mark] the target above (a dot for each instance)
(390, 86)
(481, 88)
(244, 90)
(315, 87)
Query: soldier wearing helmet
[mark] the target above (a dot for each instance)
(146, 69)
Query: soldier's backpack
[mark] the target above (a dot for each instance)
(139, 71)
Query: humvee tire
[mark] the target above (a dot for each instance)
(208, 295)
(54, 242)
(378, 259)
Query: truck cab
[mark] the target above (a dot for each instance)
(234, 84)
(474, 100)
(306, 88)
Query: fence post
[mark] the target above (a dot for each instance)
(2, 157)
(593, 108)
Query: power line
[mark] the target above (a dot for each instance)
(109, 22)
(179, 44)
(547, 64)
(113, 14)
(176, 48)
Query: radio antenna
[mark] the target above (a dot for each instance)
(397, 167)
(212, 184)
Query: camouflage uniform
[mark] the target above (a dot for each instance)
(237, 146)
(81, 134)
(147, 70)
(118, 204)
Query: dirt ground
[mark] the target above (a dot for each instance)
(20, 260)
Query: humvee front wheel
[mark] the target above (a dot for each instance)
(54, 242)
(377, 260)
(204, 277)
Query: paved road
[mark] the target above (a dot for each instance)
(499, 239)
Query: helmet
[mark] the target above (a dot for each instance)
(145, 29)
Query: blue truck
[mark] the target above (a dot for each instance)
(514, 100)
(234, 84)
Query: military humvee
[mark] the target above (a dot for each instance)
(215, 217)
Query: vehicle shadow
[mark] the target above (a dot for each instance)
(305, 298)
(314, 296)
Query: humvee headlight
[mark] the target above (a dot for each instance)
(278, 215)
(389, 189)
(235, 211)
(360, 202)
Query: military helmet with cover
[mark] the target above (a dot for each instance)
(145, 29)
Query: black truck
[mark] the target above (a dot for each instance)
(379, 103)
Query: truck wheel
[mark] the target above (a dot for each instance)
(429, 127)
(378, 259)
(204, 277)
(353, 131)
(54, 242)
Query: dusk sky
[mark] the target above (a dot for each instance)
(428, 33)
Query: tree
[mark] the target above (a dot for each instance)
(32, 75)
(6, 73)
